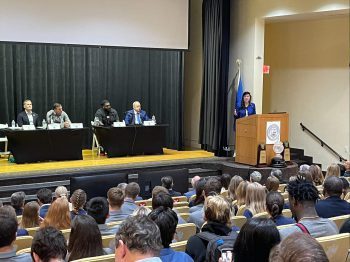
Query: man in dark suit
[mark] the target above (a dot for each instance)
(28, 117)
(136, 116)
(332, 205)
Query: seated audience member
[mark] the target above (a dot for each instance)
(255, 240)
(345, 228)
(165, 200)
(27, 116)
(115, 197)
(302, 200)
(316, 174)
(241, 194)
(159, 189)
(106, 114)
(255, 177)
(97, 208)
(85, 239)
(49, 244)
(10, 211)
(225, 181)
(44, 196)
(304, 167)
(211, 187)
(306, 176)
(278, 174)
(168, 183)
(8, 230)
(122, 186)
(141, 211)
(217, 214)
(333, 170)
(194, 181)
(255, 200)
(332, 205)
(298, 247)
(58, 215)
(136, 116)
(61, 191)
(274, 205)
(347, 168)
(132, 190)
(166, 220)
(138, 239)
(232, 188)
(30, 217)
(78, 200)
(57, 116)
(198, 202)
(17, 202)
(346, 189)
(272, 184)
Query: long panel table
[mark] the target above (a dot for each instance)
(131, 140)
(28, 146)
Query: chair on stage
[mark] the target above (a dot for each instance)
(95, 143)
(5, 141)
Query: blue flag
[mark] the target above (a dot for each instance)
(240, 91)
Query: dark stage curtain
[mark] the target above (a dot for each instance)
(216, 38)
(79, 77)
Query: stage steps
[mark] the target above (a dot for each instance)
(298, 156)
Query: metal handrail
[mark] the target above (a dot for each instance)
(322, 142)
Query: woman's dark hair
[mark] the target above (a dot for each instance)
(255, 240)
(225, 180)
(199, 192)
(274, 204)
(242, 101)
(85, 239)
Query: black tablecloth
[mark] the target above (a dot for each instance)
(42, 145)
(131, 140)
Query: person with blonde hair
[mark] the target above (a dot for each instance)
(217, 214)
(58, 215)
(241, 193)
(316, 174)
(333, 170)
(255, 200)
(30, 217)
(232, 188)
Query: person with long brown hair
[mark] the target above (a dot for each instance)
(241, 193)
(30, 217)
(58, 215)
(255, 200)
(232, 188)
(78, 200)
(316, 174)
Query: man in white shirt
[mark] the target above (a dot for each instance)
(28, 117)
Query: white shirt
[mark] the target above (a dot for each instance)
(30, 117)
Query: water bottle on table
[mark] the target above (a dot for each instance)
(13, 124)
(154, 119)
(44, 124)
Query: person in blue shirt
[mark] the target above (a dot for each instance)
(247, 108)
(136, 116)
(166, 220)
(274, 206)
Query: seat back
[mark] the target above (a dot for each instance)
(105, 258)
(182, 209)
(287, 213)
(339, 220)
(224, 193)
(336, 246)
(238, 221)
(282, 187)
(113, 224)
(147, 202)
(192, 198)
(106, 240)
(185, 231)
(180, 199)
(240, 210)
(179, 246)
(262, 214)
(23, 242)
(181, 204)
(66, 233)
(32, 230)
(23, 251)
(185, 216)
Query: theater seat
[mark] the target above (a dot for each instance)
(106, 240)
(240, 210)
(239, 221)
(262, 214)
(182, 209)
(185, 231)
(24, 251)
(287, 213)
(106, 258)
(32, 230)
(179, 246)
(339, 220)
(336, 246)
(23, 242)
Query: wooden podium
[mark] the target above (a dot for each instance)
(251, 132)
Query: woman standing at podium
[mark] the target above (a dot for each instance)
(247, 108)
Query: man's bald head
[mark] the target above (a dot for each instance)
(136, 106)
(194, 181)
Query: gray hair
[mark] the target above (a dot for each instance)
(18, 199)
(304, 167)
(140, 234)
(276, 173)
(255, 176)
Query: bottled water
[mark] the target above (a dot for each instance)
(44, 124)
(13, 124)
(154, 119)
(96, 121)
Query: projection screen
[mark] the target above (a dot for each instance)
(126, 23)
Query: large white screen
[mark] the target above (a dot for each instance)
(130, 23)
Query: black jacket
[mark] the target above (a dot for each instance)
(22, 119)
(332, 206)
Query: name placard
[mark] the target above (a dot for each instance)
(76, 125)
(119, 124)
(28, 127)
(53, 126)
(149, 123)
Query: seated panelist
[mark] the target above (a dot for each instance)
(58, 116)
(27, 116)
(136, 116)
(106, 114)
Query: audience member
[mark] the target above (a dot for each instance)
(302, 199)
(166, 220)
(274, 206)
(58, 215)
(255, 177)
(211, 187)
(298, 247)
(165, 200)
(255, 200)
(159, 189)
(61, 191)
(255, 240)
(194, 181)
(44, 196)
(346, 188)
(8, 230)
(305, 175)
(168, 183)
(225, 181)
(333, 170)
(241, 193)
(138, 239)
(272, 184)
(217, 214)
(304, 167)
(132, 190)
(278, 174)
(17, 202)
(122, 186)
(141, 211)
(232, 188)
(85, 239)
(345, 228)
(78, 200)
(115, 197)
(198, 202)
(30, 217)
(316, 174)
(347, 168)
(97, 208)
(332, 205)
